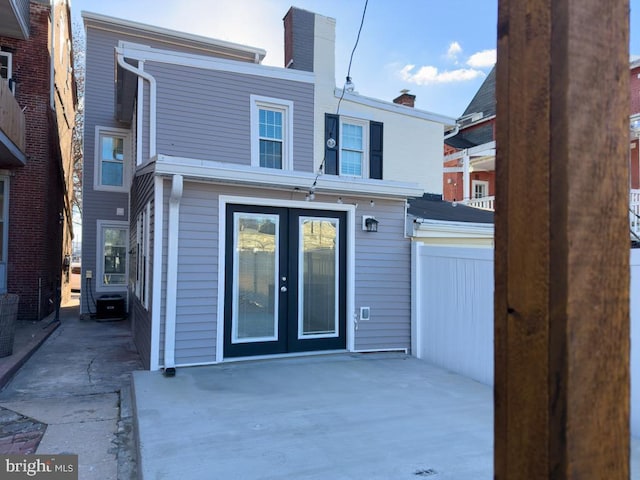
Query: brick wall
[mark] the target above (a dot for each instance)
(36, 190)
(634, 85)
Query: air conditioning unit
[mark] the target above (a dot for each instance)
(110, 307)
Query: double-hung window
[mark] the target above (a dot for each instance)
(353, 147)
(113, 239)
(271, 132)
(112, 154)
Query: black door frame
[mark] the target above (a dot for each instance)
(287, 341)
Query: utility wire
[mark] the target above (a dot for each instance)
(353, 51)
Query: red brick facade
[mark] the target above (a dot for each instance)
(37, 213)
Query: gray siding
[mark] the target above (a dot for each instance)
(383, 278)
(141, 194)
(206, 114)
(99, 111)
(382, 271)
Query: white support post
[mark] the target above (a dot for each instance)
(466, 182)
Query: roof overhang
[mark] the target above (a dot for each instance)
(14, 19)
(448, 122)
(225, 173)
(426, 228)
(10, 154)
(205, 45)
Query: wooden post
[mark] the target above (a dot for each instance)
(562, 240)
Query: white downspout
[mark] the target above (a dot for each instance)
(152, 98)
(52, 66)
(172, 276)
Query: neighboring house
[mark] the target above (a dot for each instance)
(37, 105)
(634, 95)
(433, 221)
(469, 162)
(232, 204)
(634, 152)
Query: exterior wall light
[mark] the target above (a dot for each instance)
(369, 223)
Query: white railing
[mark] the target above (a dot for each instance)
(483, 203)
(634, 211)
(487, 203)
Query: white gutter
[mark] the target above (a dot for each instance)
(453, 133)
(152, 97)
(172, 276)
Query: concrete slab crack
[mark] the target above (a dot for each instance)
(89, 369)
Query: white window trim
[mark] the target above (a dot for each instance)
(143, 223)
(101, 287)
(9, 56)
(286, 106)
(365, 145)
(121, 132)
(485, 183)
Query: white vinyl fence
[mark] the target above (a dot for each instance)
(452, 313)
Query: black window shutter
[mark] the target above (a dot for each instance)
(375, 150)
(331, 130)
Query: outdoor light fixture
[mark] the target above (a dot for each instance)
(331, 143)
(349, 86)
(369, 223)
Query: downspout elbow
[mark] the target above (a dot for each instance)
(152, 97)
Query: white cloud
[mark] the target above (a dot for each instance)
(454, 50)
(483, 59)
(429, 75)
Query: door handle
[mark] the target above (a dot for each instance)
(283, 288)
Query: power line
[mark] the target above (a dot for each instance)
(311, 193)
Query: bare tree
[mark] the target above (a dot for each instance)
(79, 49)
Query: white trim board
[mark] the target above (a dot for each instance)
(156, 301)
(140, 52)
(394, 107)
(272, 178)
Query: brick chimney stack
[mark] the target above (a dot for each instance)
(405, 99)
(299, 39)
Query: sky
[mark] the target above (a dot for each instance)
(439, 51)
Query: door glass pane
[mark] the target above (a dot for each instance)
(114, 256)
(318, 278)
(255, 298)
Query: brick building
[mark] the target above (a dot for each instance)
(37, 101)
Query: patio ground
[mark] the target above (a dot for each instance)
(349, 416)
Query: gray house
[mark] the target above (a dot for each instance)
(231, 204)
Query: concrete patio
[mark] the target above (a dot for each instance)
(349, 416)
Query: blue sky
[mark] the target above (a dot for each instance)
(440, 51)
